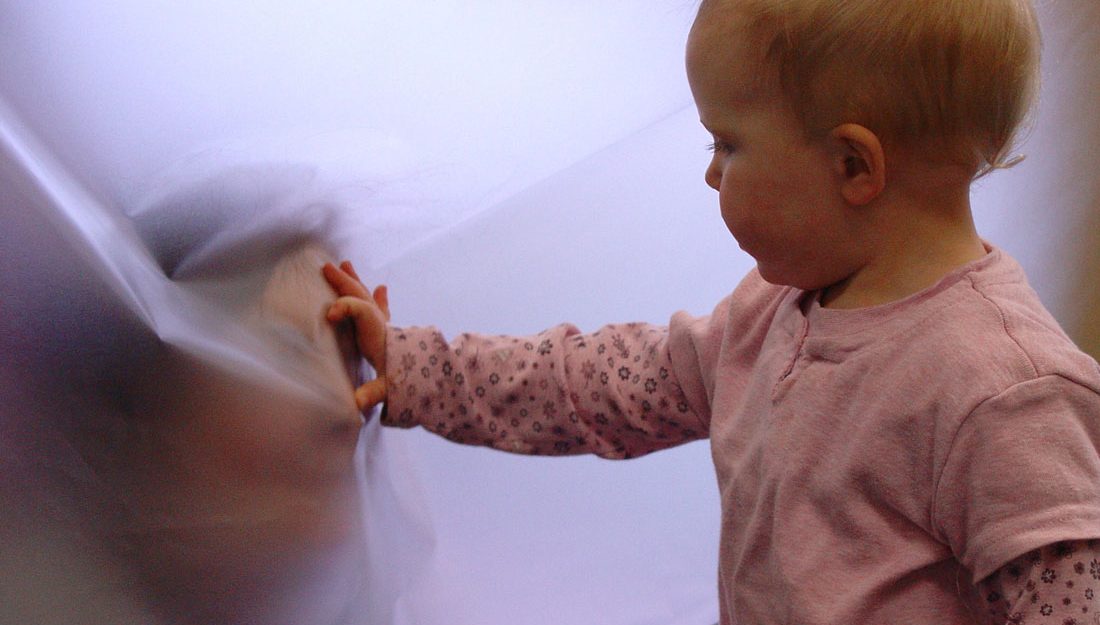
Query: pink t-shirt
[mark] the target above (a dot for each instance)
(873, 464)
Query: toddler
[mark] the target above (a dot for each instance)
(901, 431)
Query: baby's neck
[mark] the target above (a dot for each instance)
(913, 241)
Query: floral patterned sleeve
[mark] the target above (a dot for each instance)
(612, 393)
(1055, 585)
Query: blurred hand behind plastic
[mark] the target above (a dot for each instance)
(370, 313)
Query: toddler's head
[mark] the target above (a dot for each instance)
(811, 102)
(214, 443)
(951, 81)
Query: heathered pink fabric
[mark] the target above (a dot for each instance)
(873, 464)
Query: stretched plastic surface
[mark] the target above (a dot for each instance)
(177, 440)
(178, 430)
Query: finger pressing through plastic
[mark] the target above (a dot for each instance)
(382, 299)
(370, 394)
(343, 282)
(370, 327)
(350, 270)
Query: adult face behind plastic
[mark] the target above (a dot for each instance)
(177, 424)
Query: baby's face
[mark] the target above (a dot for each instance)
(778, 190)
(258, 470)
(291, 315)
(289, 437)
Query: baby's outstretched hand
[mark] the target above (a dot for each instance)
(370, 312)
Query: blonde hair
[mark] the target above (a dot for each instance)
(953, 79)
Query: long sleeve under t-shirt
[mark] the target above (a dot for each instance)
(873, 464)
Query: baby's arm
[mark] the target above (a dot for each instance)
(1057, 584)
(614, 393)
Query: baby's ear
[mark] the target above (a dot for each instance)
(859, 163)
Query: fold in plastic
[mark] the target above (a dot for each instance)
(178, 428)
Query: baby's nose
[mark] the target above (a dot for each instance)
(713, 175)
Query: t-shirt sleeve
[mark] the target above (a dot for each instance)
(620, 392)
(1023, 471)
(1054, 585)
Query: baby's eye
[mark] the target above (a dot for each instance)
(720, 147)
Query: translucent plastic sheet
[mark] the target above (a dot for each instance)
(178, 428)
(177, 443)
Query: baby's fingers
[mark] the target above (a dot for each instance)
(382, 299)
(370, 327)
(370, 394)
(345, 282)
(350, 269)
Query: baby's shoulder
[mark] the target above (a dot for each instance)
(1000, 329)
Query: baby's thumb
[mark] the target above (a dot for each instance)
(370, 394)
(370, 327)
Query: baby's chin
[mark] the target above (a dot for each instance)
(809, 281)
(779, 274)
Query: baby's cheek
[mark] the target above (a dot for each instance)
(269, 468)
(252, 436)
